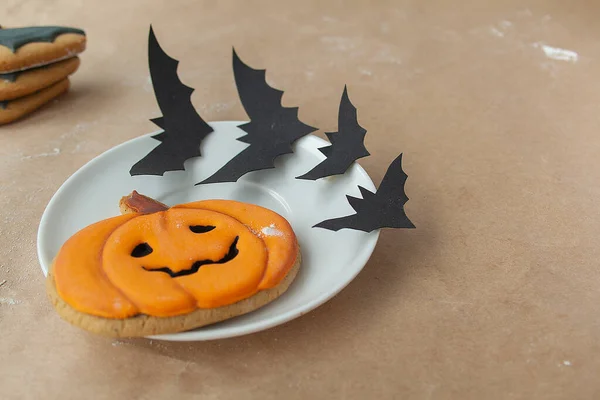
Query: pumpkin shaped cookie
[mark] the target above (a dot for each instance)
(155, 269)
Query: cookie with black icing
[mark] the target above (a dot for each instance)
(22, 83)
(30, 47)
(12, 110)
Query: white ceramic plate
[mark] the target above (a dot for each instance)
(330, 260)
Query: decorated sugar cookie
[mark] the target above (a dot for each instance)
(155, 269)
(30, 47)
(18, 84)
(12, 110)
(35, 65)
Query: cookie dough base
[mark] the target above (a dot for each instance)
(144, 325)
(18, 108)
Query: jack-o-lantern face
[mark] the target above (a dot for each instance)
(197, 255)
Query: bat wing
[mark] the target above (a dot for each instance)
(359, 221)
(238, 166)
(321, 170)
(383, 209)
(272, 129)
(157, 162)
(347, 145)
(268, 118)
(391, 188)
(335, 224)
(183, 128)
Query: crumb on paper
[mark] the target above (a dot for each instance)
(8, 301)
(496, 32)
(55, 151)
(556, 53)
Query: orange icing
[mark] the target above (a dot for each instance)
(274, 230)
(79, 278)
(96, 273)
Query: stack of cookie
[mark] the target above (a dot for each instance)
(35, 64)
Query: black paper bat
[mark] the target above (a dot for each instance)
(183, 128)
(347, 144)
(383, 209)
(272, 128)
(13, 38)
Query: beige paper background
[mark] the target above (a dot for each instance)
(494, 296)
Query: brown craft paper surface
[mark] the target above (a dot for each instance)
(496, 107)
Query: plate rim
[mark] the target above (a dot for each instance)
(370, 243)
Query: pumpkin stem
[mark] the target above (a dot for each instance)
(139, 204)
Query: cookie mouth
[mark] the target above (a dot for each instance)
(231, 254)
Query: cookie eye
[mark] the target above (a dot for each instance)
(141, 250)
(201, 228)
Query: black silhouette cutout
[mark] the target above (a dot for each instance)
(382, 209)
(183, 128)
(272, 128)
(347, 144)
